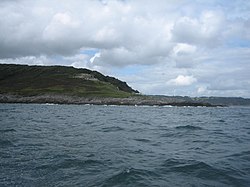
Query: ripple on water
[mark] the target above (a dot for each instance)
(130, 176)
(5, 143)
(70, 163)
(89, 123)
(188, 166)
(189, 127)
(142, 140)
(245, 155)
(112, 129)
(199, 169)
(7, 130)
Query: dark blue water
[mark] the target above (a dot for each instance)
(77, 145)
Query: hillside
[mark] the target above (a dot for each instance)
(27, 80)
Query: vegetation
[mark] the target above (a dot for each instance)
(37, 80)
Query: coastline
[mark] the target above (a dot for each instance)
(71, 99)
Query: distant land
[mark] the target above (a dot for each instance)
(68, 85)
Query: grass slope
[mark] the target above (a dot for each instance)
(37, 80)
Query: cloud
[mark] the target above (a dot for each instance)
(146, 29)
(201, 90)
(192, 47)
(206, 30)
(62, 28)
(182, 80)
(184, 55)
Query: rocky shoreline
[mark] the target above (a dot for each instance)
(68, 99)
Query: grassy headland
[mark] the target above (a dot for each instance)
(38, 80)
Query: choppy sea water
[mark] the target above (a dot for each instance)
(78, 145)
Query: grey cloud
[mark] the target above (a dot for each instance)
(28, 28)
(205, 30)
(32, 28)
(138, 55)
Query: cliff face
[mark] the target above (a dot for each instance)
(37, 80)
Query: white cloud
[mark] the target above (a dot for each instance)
(201, 90)
(167, 39)
(182, 80)
(97, 55)
(205, 30)
(182, 49)
(184, 55)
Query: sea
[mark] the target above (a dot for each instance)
(106, 146)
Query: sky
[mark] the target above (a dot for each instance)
(160, 47)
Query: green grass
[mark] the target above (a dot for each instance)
(37, 80)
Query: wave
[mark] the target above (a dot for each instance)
(40, 121)
(201, 170)
(245, 155)
(89, 123)
(112, 129)
(49, 104)
(142, 140)
(189, 127)
(70, 163)
(221, 121)
(79, 163)
(5, 143)
(167, 106)
(130, 177)
(8, 130)
(188, 166)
